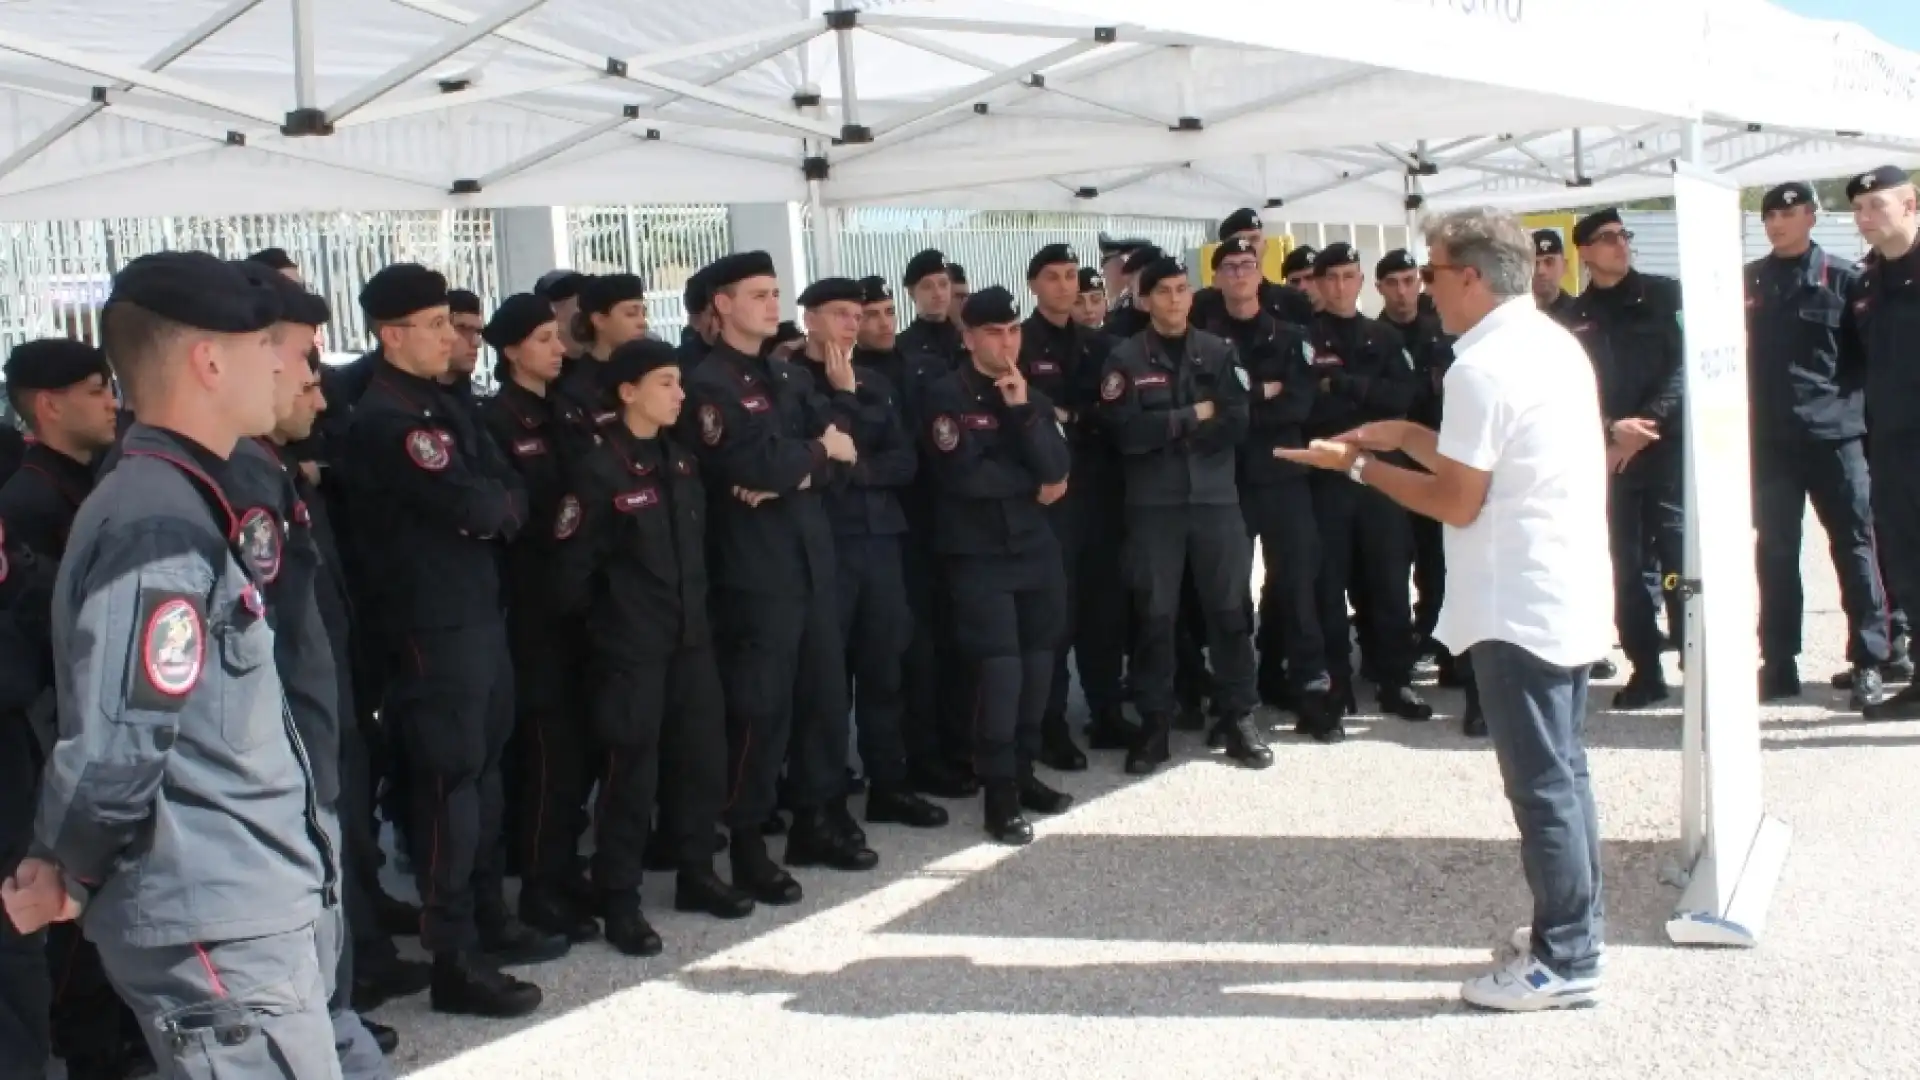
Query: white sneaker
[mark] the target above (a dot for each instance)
(1522, 945)
(1527, 985)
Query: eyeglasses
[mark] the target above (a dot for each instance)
(1235, 267)
(1434, 270)
(1612, 236)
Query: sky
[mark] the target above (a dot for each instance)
(1896, 21)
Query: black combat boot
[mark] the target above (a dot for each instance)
(627, 929)
(1243, 741)
(1647, 687)
(509, 942)
(756, 874)
(816, 841)
(1004, 820)
(1057, 750)
(467, 984)
(546, 907)
(1110, 730)
(841, 818)
(698, 890)
(888, 805)
(1401, 701)
(1149, 750)
(1040, 798)
(1779, 680)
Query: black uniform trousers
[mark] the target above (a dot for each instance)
(1163, 545)
(1896, 510)
(876, 625)
(786, 688)
(552, 746)
(938, 692)
(1429, 574)
(1281, 515)
(662, 725)
(1833, 474)
(450, 706)
(1010, 615)
(1365, 534)
(1644, 512)
(26, 991)
(1088, 524)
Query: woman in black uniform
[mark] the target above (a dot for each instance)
(537, 428)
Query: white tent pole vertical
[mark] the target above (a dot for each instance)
(849, 86)
(1693, 811)
(305, 92)
(1416, 195)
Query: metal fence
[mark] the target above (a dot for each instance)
(662, 244)
(54, 276)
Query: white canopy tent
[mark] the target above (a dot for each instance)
(232, 106)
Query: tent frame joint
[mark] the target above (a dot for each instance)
(1188, 123)
(843, 19)
(815, 168)
(465, 187)
(305, 122)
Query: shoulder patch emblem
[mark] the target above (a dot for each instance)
(427, 450)
(712, 429)
(260, 540)
(567, 521)
(173, 647)
(1113, 385)
(946, 434)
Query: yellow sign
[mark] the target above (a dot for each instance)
(1272, 260)
(1562, 224)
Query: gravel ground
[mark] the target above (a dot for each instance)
(1310, 920)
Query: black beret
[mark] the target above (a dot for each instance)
(1091, 280)
(875, 289)
(991, 306)
(463, 302)
(1158, 271)
(1241, 220)
(738, 267)
(1584, 229)
(1227, 249)
(195, 289)
(1139, 258)
(400, 290)
(1051, 255)
(635, 360)
(956, 273)
(784, 333)
(1110, 247)
(698, 295)
(1394, 262)
(602, 294)
(827, 290)
(54, 364)
(272, 259)
(1548, 242)
(516, 319)
(1337, 254)
(1300, 258)
(1886, 176)
(1786, 196)
(927, 262)
(297, 305)
(558, 285)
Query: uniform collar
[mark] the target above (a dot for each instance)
(529, 408)
(73, 477)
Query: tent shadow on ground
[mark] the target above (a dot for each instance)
(1411, 893)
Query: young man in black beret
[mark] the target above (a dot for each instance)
(434, 505)
(957, 301)
(931, 290)
(177, 811)
(697, 336)
(277, 259)
(769, 445)
(1808, 425)
(1549, 272)
(463, 311)
(630, 551)
(998, 459)
(1629, 323)
(1365, 373)
(1127, 317)
(1090, 306)
(1064, 360)
(1885, 308)
(869, 529)
(561, 288)
(1175, 402)
(63, 391)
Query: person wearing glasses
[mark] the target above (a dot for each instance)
(1630, 325)
(1286, 302)
(463, 311)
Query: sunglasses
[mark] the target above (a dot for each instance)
(1434, 270)
(1612, 236)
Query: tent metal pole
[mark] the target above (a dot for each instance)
(1579, 158)
(158, 61)
(147, 80)
(849, 87)
(554, 149)
(447, 46)
(305, 94)
(1780, 148)
(972, 90)
(1416, 195)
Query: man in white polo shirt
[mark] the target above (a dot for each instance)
(1517, 473)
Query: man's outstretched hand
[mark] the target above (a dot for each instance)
(1329, 454)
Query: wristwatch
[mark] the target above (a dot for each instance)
(1359, 466)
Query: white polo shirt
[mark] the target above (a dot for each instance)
(1532, 569)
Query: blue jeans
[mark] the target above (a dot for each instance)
(1535, 714)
